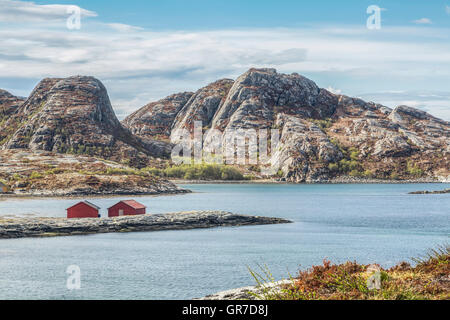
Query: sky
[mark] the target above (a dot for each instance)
(145, 50)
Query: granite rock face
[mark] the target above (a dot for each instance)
(8, 104)
(203, 105)
(74, 115)
(259, 94)
(323, 135)
(302, 143)
(156, 118)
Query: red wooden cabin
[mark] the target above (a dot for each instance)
(83, 209)
(126, 208)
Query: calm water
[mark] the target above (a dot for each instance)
(368, 223)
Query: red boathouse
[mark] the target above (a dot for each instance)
(126, 208)
(83, 209)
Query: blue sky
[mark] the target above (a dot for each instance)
(145, 50)
(219, 14)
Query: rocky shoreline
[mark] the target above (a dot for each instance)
(338, 180)
(11, 228)
(431, 192)
(93, 193)
(247, 293)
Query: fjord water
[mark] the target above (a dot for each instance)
(367, 223)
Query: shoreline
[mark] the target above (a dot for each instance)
(14, 228)
(6, 196)
(76, 196)
(350, 180)
(246, 293)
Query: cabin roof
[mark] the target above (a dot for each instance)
(86, 203)
(132, 203)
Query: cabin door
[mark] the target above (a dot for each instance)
(120, 212)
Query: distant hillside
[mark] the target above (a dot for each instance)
(8, 105)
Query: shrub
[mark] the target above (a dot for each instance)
(350, 281)
(348, 165)
(354, 154)
(355, 173)
(120, 171)
(414, 170)
(198, 172)
(333, 167)
(36, 175)
(368, 174)
(394, 175)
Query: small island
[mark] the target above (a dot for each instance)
(431, 192)
(51, 227)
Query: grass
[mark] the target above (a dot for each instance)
(198, 172)
(414, 170)
(188, 172)
(428, 280)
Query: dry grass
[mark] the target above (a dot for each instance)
(428, 280)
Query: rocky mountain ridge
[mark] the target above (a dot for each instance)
(323, 135)
(73, 115)
(8, 104)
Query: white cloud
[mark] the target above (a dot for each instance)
(334, 90)
(423, 21)
(139, 66)
(435, 102)
(123, 27)
(447, 9)
(23, 12)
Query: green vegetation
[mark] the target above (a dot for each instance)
(36, 175)
(54, 171)
(352, 281)
(394, 175)
(188, 172)
(350, 165)
(323, 124)
(414, 170)
(81, 149)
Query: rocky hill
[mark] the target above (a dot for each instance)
(72, 115)
(43, 173)
(155, 120)
(323, 135)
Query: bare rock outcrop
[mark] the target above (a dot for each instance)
(8, 104)
(155, 120)
(203, 105)
(74, 115)
(323, 135)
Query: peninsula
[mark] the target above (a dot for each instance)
(51, 227)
